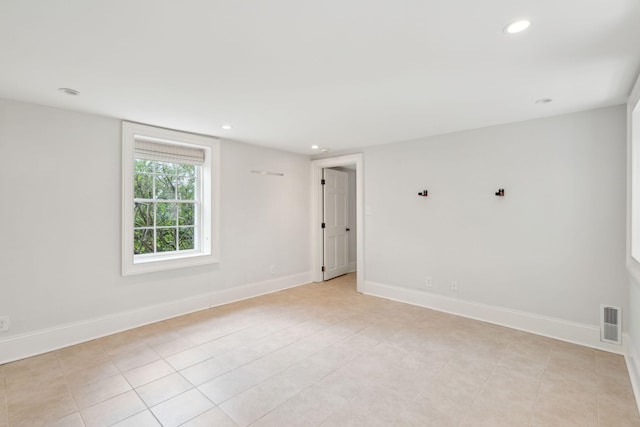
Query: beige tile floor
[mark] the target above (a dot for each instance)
(319, 355)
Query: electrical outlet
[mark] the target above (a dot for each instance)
(272, 269)
(428, 282)
(4, 323)
(454, 285)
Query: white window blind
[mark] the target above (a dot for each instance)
(149, 150)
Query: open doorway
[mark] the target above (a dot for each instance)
(349, 242)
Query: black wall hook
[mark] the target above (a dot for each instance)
(424, 193)
(500, 192)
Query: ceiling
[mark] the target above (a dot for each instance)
(341, 74)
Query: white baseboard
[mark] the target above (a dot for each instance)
(577, 333)
(238, 293)
(633, 366)
(38, 342)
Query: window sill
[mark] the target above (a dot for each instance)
(169, 262)
(159, 257)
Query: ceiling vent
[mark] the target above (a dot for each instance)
(610, 324)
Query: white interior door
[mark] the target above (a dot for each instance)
(336, 227)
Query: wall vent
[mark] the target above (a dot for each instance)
(610, 324)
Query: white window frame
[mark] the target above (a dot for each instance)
(633, 182)
(208, 251)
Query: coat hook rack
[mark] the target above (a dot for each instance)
(424, 193)
(500, 192)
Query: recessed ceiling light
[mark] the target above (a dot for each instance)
(69, 91)
(516, 27)
(324, 150)
(544, 101)
(226, 127)
(314, 147)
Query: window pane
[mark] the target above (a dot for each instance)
(143, 241)
(186, 170)
(165, 187)
(166, 214)
(186, 238)
(186, 188)
(187, 211)
(142, 186)
(163, 168)
(145, 166)
(143, 215)
(166, 240)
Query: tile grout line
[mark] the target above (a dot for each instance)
(597, 392)
(6, 401)
(305, 388)
(546, 366)
(213, 357)
(135, 391)
(66, 383)
(257, 323)
(265, 355)
(484, 384)
(282, 370)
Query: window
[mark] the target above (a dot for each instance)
(169, 199)
(633, 181)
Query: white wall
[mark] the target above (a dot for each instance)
(60, 256)
(553, 246)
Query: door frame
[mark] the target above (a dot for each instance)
(316, 214)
